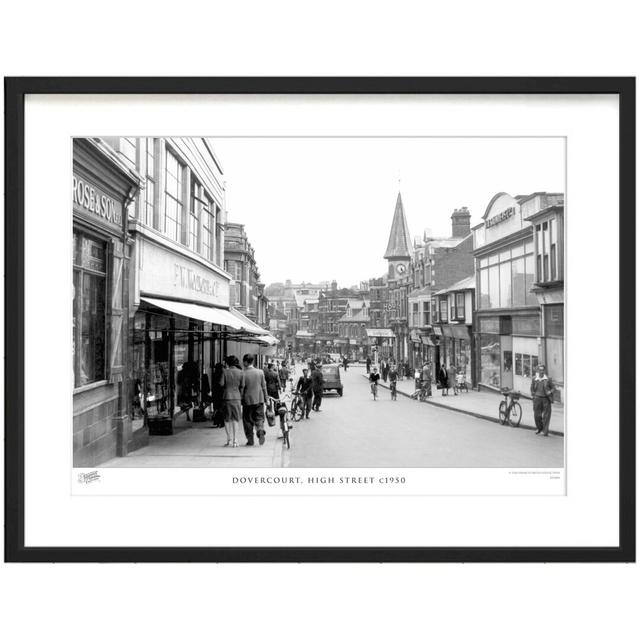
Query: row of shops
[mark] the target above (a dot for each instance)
(507, 316)
(151, 314)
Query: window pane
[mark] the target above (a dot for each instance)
(505, 255)
(518, 282)
(483, 298)
(92, 336)
(490, 360)
(530, 298)
(518, 364)
(505, 284)
(517, 250)
(494, 287)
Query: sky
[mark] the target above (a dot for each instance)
(319, 209)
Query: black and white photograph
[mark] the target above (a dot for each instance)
(318, 302)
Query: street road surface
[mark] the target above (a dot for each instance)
(355, 431)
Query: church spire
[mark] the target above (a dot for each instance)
(399, 239)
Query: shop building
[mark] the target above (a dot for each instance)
(548, 245)
(508, 328)
(181, 320)
(352, 329)
(102, 188)
(453, 324)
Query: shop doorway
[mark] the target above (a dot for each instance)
(506, 366)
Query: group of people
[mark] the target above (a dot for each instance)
(243, 393)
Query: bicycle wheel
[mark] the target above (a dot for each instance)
(298, 411)
(287, 439)
(502, 412)
(515, 415)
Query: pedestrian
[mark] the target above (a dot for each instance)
(317, 383)
(542, 394)
(426, 378)
(253, 398)
(374, 376)
(303, 387)
(368, 361)
(283, 375)
(383, 370)
(393, 381)
(451, 379)
(443, 379)
(217, 396)
(272, 381)
(345, 362)
(232, 388)
(417, 376)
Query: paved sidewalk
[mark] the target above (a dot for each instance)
(199, 445)
(482, 404)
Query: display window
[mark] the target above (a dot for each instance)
(89, 309)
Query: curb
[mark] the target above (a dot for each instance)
(475, 414)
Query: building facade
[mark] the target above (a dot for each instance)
(508, 328)
(103, 186)
(179, 319)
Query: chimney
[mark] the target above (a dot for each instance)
(460, 223)
(334, 285)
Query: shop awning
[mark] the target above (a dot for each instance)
(197, 312)
(380, 333)
(249, 325)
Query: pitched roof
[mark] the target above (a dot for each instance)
(399, 245)
(461, 285)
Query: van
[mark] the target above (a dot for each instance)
(331, 377)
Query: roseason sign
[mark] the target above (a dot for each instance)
(93, 200)
(503, 215)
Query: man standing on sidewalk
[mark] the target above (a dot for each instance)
(253, 398)
(542, 394)
(317, 384)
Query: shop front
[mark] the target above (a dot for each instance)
(102, 187)
(182, 330)
(509, 337)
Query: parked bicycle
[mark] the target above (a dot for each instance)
(510, 410)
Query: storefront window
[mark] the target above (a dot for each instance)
(530, 298)
(89, 310)
(483, 298)
(490, 360)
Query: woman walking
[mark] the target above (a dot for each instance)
(443, 379)
(451, 379)
(233, 381)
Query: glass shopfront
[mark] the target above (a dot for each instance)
(173, 362)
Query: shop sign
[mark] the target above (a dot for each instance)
(92, 199)
(500, 217)
(437, 330)
(164, 272)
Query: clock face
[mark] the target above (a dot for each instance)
(401, 268)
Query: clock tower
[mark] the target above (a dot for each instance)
(398, 253)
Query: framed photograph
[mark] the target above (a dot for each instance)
(358, 311)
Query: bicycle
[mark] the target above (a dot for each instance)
(510, 410)
(374, 390)
(297, 407)
(284, 408)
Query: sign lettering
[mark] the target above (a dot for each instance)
(500, 217)
(93, 200)
(186, 278)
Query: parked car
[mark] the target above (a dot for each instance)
(331, 375)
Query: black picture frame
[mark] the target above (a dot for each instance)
(15, 91)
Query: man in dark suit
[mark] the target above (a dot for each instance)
(542, 396)
(254, 396)
(317, 383)
(304, 388)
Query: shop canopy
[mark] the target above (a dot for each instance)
(380, 333)
(229, 318)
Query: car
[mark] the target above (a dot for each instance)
(331, 376)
